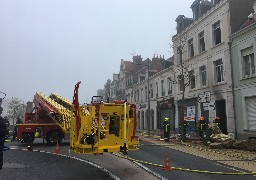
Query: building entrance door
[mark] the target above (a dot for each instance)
(221, 112)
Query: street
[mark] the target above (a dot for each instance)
(23, 164)
(157, 155)
(28, 165)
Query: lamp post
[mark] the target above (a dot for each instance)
(148, 122)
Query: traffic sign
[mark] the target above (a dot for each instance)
(204, 97)
(207, 94)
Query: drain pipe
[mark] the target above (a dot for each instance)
(232, 76)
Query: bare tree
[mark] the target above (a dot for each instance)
(17, 109)
(182, 77)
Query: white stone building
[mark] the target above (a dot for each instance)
(202, 46)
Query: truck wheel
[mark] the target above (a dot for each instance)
(53, 137)
(28, 137)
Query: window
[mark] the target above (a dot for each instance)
(169, 86)
(181, 83)
(138, 96)
(146, 93)
(156, 89)
(142, 100)
(251, 111)
(216, 33)
(151, 91)
(201, 42)
(192, 79)
(202, 70)
(162, 88)
(190, 48)
(179, 55)
(219, 71)
(248, 62)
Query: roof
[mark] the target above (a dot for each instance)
(249, 21)
(128, 66)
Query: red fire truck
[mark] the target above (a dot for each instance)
(50, 119)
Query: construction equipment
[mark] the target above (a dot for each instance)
(103, 127)
(94, 128)
(51, 120)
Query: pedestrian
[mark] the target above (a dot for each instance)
(166, 126)
(2, 139)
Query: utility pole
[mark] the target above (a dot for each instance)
(148, 103)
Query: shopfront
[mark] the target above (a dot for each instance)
(190, 114)
(166, 108)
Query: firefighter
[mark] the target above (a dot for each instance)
(15, 129)
(203, 124)
(217, 121)
(166, 127)
(2, 139)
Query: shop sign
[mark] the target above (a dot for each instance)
(166, 103)
(191, 113)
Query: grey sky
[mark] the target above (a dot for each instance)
(49, 45)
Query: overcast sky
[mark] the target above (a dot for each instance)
(49, 45)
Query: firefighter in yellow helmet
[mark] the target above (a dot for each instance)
(166, 126)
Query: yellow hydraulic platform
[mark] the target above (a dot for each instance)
(103, 127)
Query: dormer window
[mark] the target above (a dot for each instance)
(216, 1)
(179, 21)
(196, 12)
(179, 26)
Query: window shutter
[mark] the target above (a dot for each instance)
(247, 51)
(251, 112)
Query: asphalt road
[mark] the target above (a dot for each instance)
(26, 165)
(40, 163)
(157, 154)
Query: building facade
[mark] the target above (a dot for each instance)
(202, 62)
(243, 50)
(153, 94)
(197, 81)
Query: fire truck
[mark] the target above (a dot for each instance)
(93, 128)
(51, 119)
